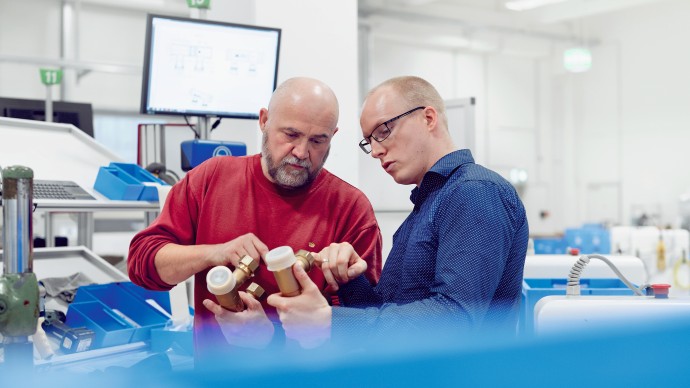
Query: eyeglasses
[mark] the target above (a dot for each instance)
(382, 131)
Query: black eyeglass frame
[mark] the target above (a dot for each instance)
(367, 140)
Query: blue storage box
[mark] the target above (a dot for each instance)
(127, 181)
(180, 341)
(135, 311)
(109, 328)
(549, 246)
(535, 289)
(195, 152)
(161, 297)
(589, 239)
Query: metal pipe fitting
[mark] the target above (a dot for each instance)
(225, 284)
(280, 261)
(305, 259)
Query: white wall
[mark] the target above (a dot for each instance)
(599, 146)
(507, 93)
(603, 145)
(319, 40)
(635, 108)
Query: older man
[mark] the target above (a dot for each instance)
(229, 207)
(457, 259)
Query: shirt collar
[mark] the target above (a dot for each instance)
(439, 173)
(449, 163)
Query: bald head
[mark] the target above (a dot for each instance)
(298, 125)
(307, 95)
(415, 91)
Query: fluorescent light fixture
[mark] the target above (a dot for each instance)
(577, 60)
(524, 5)
(518, 176)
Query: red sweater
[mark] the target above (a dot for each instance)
(227, 197)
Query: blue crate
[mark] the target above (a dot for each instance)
(195, 152)
(591, 238)
(160, 297)
(128, 182)
(108, 327)
(535, 289)
(142, 316)
(549, 246)
(180, 341)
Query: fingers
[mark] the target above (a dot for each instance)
(328, 275)
(342, 261)
(318, 260)
(303, 279)
(337, 259)
(213, 307)
(356, 269)
(254, 247)
(325, 268)
(276, 300)
(232, 251)
(250, 302)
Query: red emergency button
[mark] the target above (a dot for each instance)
(661, 290)
(574, 251)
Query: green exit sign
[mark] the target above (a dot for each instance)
(199, 3)
(51, 76)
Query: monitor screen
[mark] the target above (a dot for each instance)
(78, 114)
(207, 68)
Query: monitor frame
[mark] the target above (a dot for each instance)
(84, 111)
(148, 54)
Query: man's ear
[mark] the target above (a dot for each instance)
(431, 118)
(263, 118)
(335, 131)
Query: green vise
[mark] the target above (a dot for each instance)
(18, 304)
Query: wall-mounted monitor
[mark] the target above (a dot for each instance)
(207, 68)
(78, 114)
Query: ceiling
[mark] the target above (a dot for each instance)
(486, 25)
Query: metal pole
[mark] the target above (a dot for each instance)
(17, 194)
(204, 128)
(85, 227)
(49, 104)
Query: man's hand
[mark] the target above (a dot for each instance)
(250, 328)
(340, 264)
(306, 318)
(232, 251)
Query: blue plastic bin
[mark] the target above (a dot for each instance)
(142, 316)
(161, 297)
(180, 341)
(128, 182)
(549, 245)
(117, 184)
(108, 327)
(535, 289)
(195, 152)
(589, 239)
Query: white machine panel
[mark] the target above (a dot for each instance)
(558, 267)
(554, 314)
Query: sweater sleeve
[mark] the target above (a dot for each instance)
(365, 237)
(176, 224)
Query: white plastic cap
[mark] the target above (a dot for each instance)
(280, 258)
(220, 280)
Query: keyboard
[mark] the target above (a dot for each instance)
(59, 190)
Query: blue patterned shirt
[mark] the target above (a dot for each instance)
(457, 258)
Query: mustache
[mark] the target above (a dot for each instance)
(293, 160)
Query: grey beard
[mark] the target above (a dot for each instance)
(291, 179)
